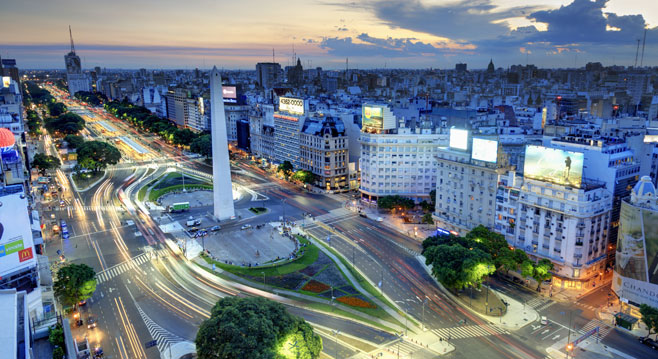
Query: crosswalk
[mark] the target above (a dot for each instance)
(122, 267)
(88, 208)
(539, 303)
(604, 329)
(469, 331)
(406, 349)
(163, 337)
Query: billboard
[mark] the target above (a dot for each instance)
(291, 105)
(485, 150)
(6, 81)
(15, 234)
(458, 139)
(230, 94)
(553, 165)
(373, 117)
(636, 260)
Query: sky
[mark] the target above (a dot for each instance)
(237, 34)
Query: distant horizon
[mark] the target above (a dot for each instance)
(416, 34)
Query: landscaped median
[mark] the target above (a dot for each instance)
(313, 274)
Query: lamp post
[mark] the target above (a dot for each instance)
(335, 333)
(423, 317)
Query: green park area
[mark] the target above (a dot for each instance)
(315, 274)
(172, 182)
(85, 179)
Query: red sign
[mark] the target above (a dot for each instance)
(25, 254)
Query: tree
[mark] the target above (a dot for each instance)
(457, 267)
(58, 353)
(56, 336)
(33, 123)
(540, 271)
(649, 318)
(257, 328)
(433, 197)
(285, 168)
(68, 123)
(45, 162)
(56, 109)
(202, 145)
(184, 137)
(75, 282)
(96, 155)
(390, 202)
(74, 141)
(427, 219)
(304, 176)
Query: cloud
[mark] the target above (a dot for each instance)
(464, 20)
(366, 45)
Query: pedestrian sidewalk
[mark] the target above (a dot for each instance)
(607, 315)
(517, 316)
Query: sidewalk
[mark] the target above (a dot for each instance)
(607, 315)
(412, 230)
(517, 316)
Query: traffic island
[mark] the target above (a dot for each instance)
(86, 180)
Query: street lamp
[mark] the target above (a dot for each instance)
(423, 318)
(335, 333)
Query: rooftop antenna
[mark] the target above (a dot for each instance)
(273, 56)
(637, 52)
(644, 40)
(73, 47)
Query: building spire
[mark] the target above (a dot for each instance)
(71, 36)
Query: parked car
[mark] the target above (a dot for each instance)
(649, 342)
(193, 229)
(246, 226)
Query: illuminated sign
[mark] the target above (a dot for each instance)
(284, 117)
(485, 150)
(553, 165)
(458, 139)
(443, 232)
(6, 81)
(650, 138)
(294, 106)
(544, 113)
(230, 94)
(373, 117)
(15, 233)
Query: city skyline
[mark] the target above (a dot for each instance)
(373, 34)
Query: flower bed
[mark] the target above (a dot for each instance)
(315, 286)
(356, 302)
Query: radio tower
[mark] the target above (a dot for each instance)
(644, 41)
(637, 52)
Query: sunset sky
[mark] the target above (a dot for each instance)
(373, 34)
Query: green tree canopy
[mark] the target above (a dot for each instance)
(74, 141)
(68, 123)
(45, 162)
(202, 145)
(56, 109)
(34, 93)
(184, 137)
(649, 318)
(33, 123)
(96, 155)
(304, 176)
(75, 282)
(427, 218)
(396, 201)
(457, 267)
(93, 98)
(285, 168)
(255, 328)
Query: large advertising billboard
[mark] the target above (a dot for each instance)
(485, 150)
(15, 234)
(291, 105)
(230, 94)
(553, 165)
(458, 139)
(373, 117)
(636, 259)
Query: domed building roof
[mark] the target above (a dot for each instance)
(6, 138)
(644, 192)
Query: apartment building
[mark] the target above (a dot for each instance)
(324, 151)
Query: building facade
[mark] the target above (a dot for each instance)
(323, 151)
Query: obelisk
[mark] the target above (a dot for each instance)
(221, 167)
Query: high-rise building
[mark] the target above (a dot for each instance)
(288, 123)
(9, 68)
(635, 278)
(76, 79)
(460, 67)
(268, 74)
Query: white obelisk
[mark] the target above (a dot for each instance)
(221, 168)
